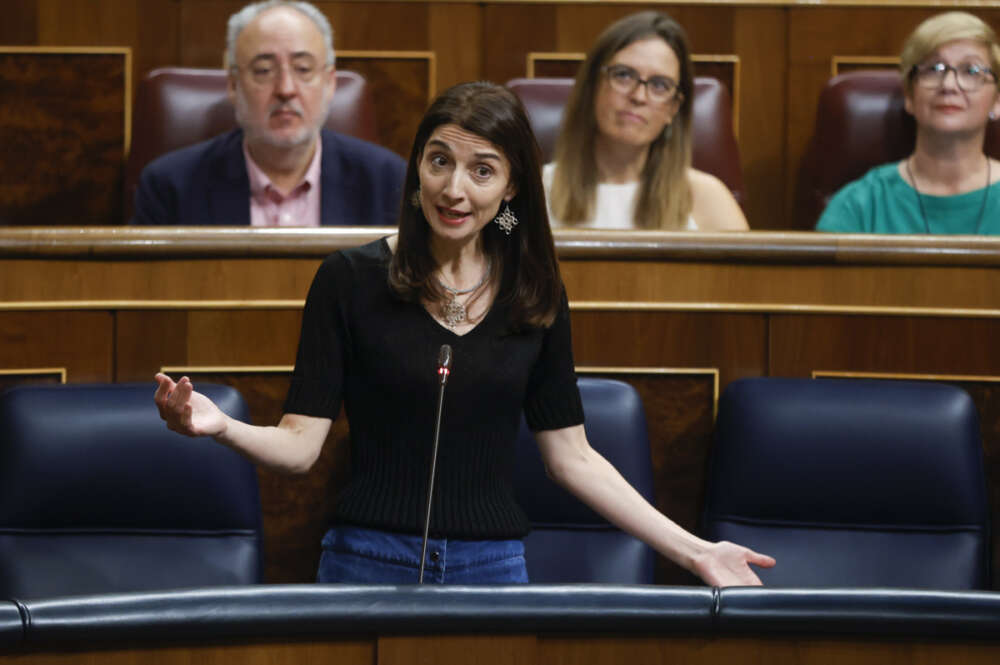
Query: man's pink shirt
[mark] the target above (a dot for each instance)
(268, 207)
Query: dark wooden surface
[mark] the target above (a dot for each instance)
(62, 128)
(486, 649)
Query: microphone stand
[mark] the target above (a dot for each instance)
(444, 369)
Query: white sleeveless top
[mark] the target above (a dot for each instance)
(615, 205)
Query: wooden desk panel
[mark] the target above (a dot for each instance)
(539, 650)
(80, 343)
(225, 305)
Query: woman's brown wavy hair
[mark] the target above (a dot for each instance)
(525, 265)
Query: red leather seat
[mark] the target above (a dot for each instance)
(860, 123)
(176, 107)
(714, 147)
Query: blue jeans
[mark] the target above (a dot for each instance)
(355, 555)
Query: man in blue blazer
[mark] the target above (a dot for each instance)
(279, 168)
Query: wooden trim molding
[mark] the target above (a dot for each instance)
(859, 61)
(429, 56)
(754, 247)
(574, 305)
(227, 369)
(535, 57)
(76, 305)
(778, 308)
(659, 371)
(734, 60)
(35, 371)
(825, 374)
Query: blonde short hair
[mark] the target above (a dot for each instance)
(937, 31)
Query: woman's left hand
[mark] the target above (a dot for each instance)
(727, 564)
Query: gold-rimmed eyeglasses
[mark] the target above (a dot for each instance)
(625, 80)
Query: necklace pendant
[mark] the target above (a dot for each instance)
(454, 313)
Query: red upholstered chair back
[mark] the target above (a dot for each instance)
(714, 144)
(176, 107)
(860, 123)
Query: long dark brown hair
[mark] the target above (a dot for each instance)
(525, 261)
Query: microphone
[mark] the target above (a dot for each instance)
(444, 363)
(443, 370)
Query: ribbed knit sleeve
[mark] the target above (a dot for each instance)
(553, 400)
(318, 380)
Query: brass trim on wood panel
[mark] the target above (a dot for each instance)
(36, 371)
(227, 369)
(94, 50)
(662, 371)
(756, 247)
(553, 56)
(826, 374)
(737, 74)
(585, 369)
(577, 306)
(779, 308)
(47, 305)
(878, 61)
(543, 56)
(429, 56)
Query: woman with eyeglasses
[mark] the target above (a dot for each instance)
(948, 185)
(623, 157)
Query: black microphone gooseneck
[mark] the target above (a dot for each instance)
(443, 370)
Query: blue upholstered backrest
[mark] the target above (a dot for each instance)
(568, 541)
(97, 495)
(852, 482)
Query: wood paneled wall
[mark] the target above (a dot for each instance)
(785, 50)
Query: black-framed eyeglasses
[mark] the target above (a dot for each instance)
(625, 80)
(969, 76)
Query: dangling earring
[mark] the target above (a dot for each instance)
(992, 115)
(668, 131)
(415, 198)
(506, 219)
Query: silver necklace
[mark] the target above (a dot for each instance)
(453, 311)
(920, 197)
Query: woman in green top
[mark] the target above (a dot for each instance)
(948, 185)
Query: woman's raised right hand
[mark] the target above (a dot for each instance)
(186, 411)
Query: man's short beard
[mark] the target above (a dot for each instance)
(263, 135)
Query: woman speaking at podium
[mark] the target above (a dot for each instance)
(473, 266)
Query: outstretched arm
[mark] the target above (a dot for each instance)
(571, 462)
(293, 446)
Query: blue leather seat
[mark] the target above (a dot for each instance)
(852, 482)
(568, 541)
(97, 495)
